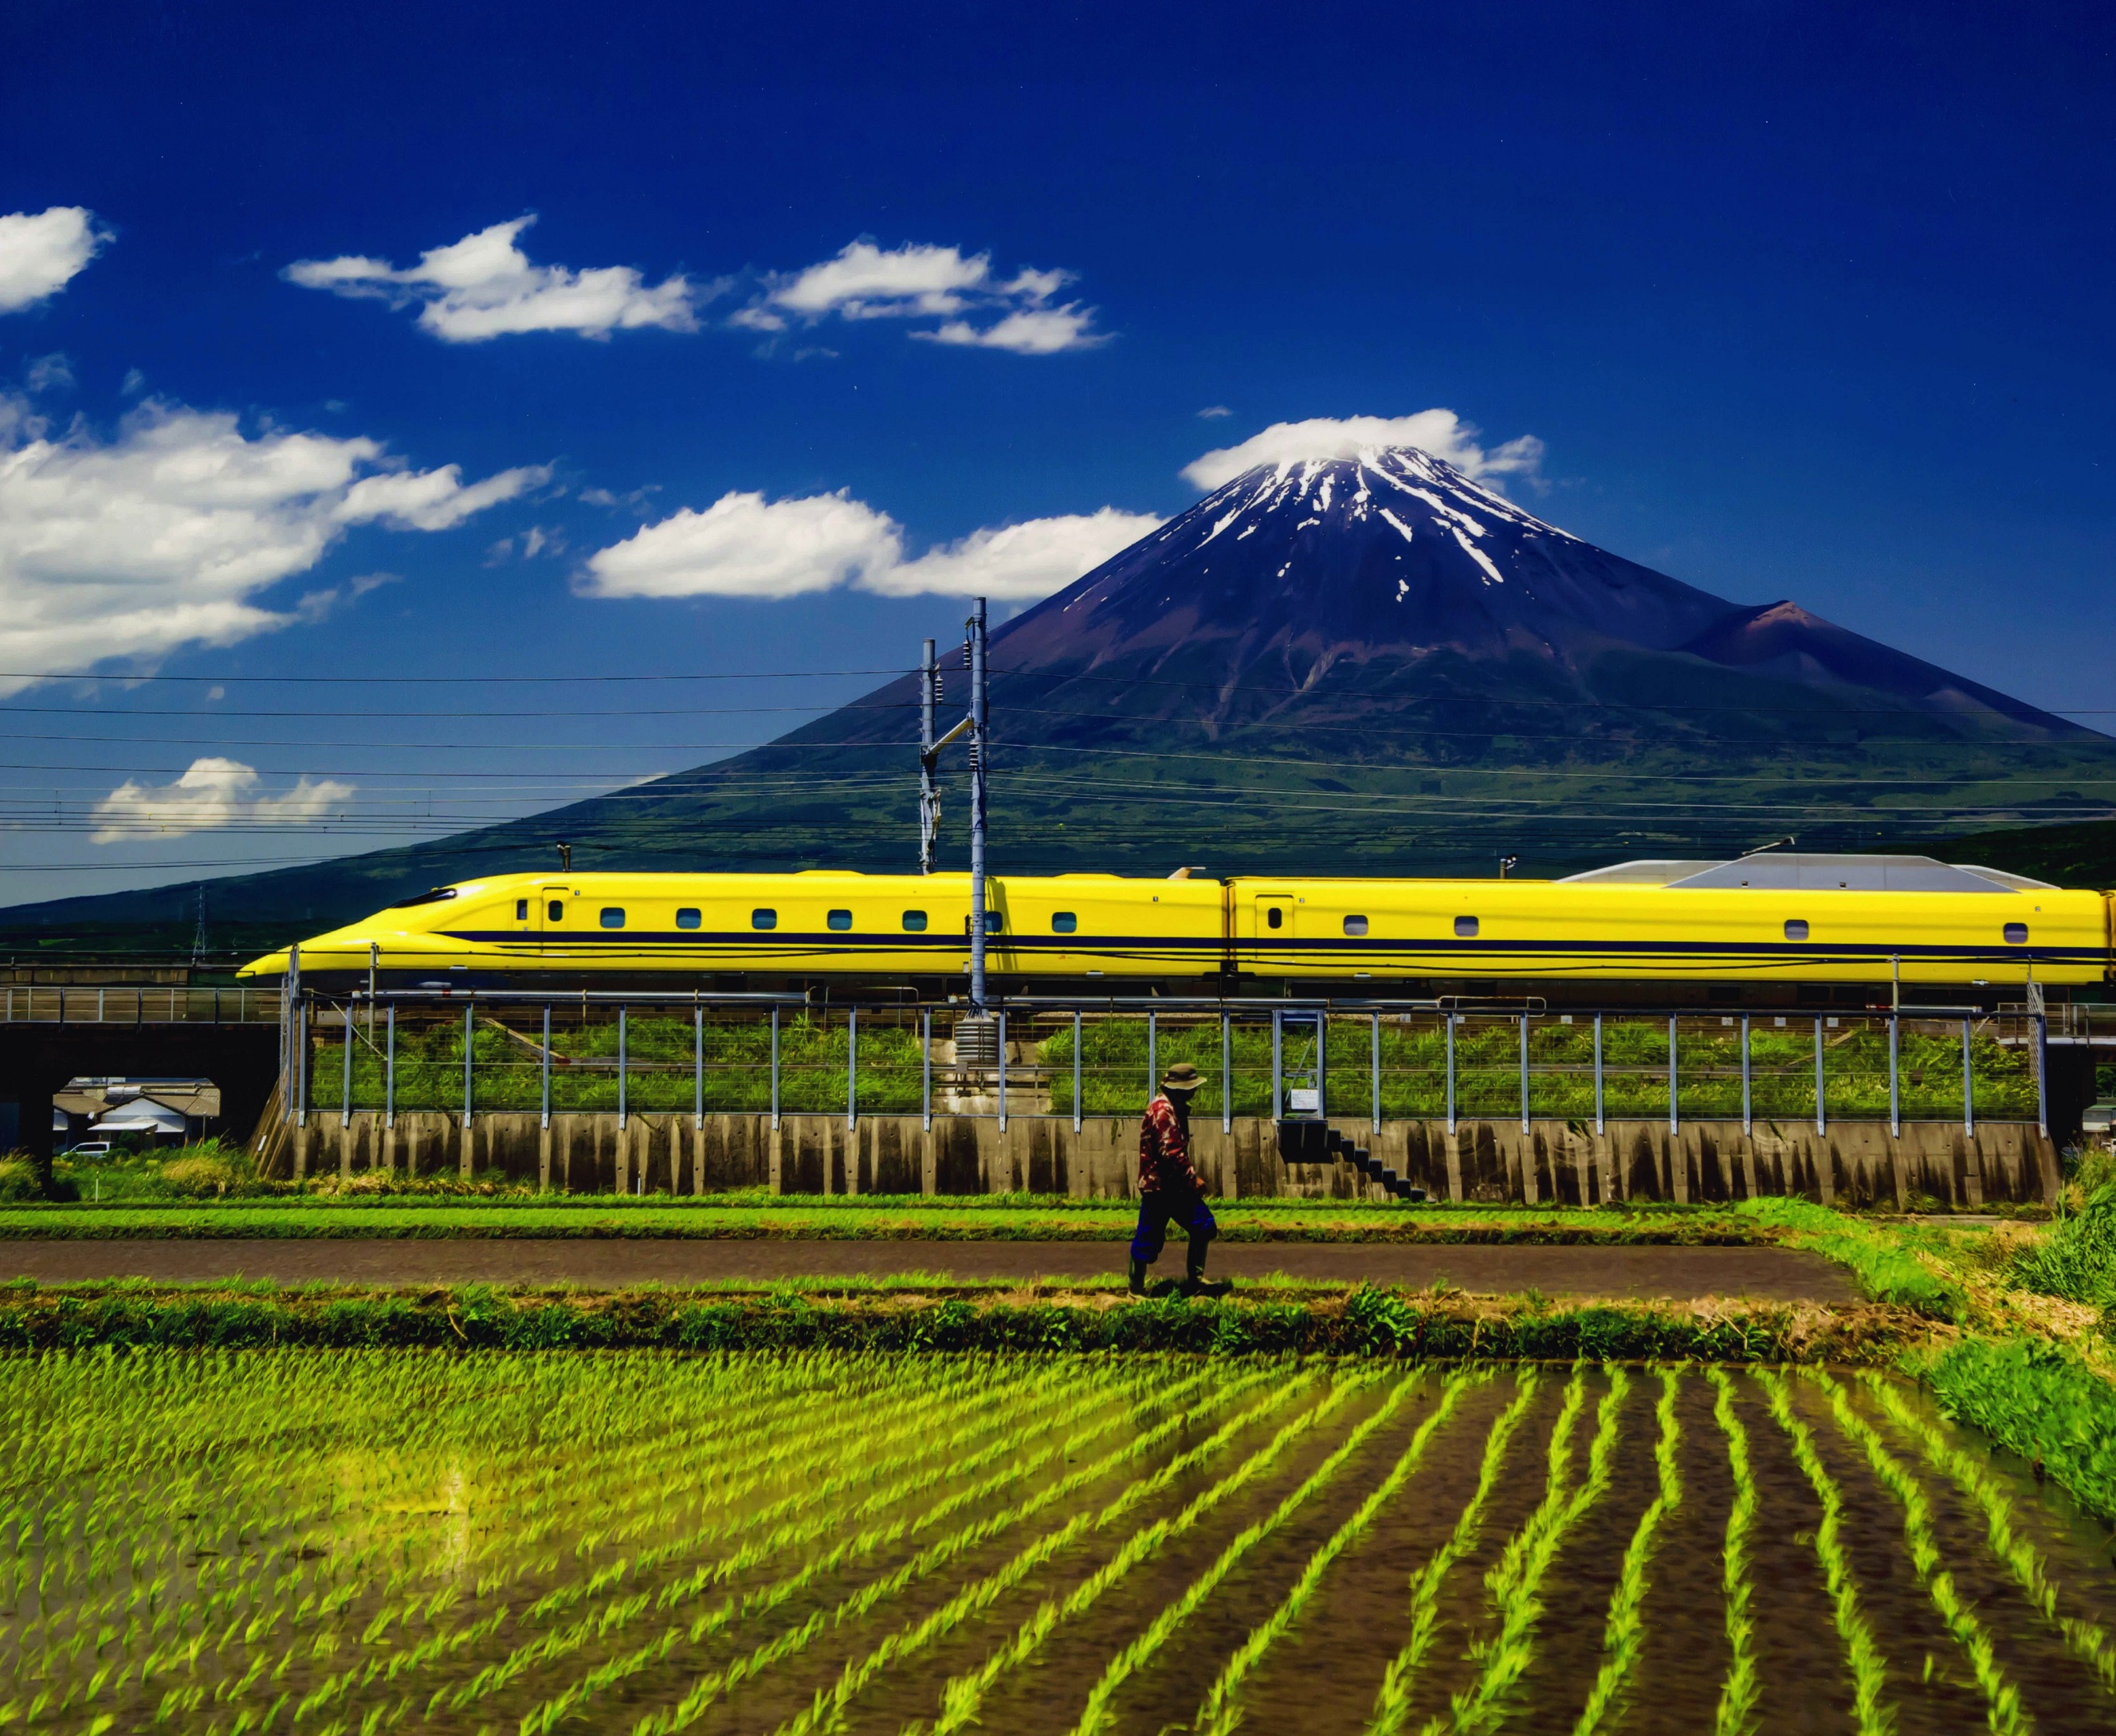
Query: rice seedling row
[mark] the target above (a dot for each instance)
(325, 1542)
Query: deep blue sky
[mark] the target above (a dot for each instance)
(1805, 301)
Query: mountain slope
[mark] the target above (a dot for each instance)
(1369, 664)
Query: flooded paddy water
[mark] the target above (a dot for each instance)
(330, 1542)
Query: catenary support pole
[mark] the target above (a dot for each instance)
(980, 754)
(1601, 1119)
(929, 800)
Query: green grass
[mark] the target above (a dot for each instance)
(2041, 1401)
(1883, 1257)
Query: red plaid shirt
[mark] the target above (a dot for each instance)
(1164, 1148)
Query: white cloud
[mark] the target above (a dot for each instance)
(42, 252)
(213, 794)
(51, 373)
(745, 545)
(164, 536)
(919, 281)
(1214, 412)
(1441, 432)
(1018, 562)
(484, 287)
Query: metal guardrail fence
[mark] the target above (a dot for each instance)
(24, 1003)
(638, 1053)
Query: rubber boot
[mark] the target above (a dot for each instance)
(1196, 1283)
(1138, 1278)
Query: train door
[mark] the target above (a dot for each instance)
(1272, 915)
(553, 912)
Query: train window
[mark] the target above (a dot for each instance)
(914, 922)
(1795, 930)
(993, 923)
(2016, 934)
(688, 920)
(1065, 921)
(521, 910)
(764, 919)
(1465, 928)
(557, 910)
(1356, 925)
(1273, 917)
(839, 920)
(612, 917)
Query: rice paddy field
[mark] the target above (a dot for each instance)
(360, 1540)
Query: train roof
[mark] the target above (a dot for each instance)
(1787, 871)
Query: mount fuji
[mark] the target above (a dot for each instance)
(1367, 662)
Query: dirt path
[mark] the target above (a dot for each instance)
(1765, 1274)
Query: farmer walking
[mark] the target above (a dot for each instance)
(1169, 1187)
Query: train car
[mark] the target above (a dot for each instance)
(1778, 920)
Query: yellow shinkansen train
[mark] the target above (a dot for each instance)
(1771, 918)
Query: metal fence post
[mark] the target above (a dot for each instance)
(1002, 1072)
(470, 1055)
(1748, 1107)
(1152, 1055)
(345, 1102)
(1322, 1062)
(1277, 1061)
(697, 1066)
(623, 1034)
(301, 1060)
(1523, 1071)
(389, 1069)
(1895, 1077)
(774, 1068)
(2042, 1074)
(1821, 1094)
(1449, 1019)
(1601, 1121)
(544, 1068)
(925, 1064)
(1674, 1083)
(852, 1067)
(1076, 1069)
(1377, 1082)
(1968, 1085)
(1226, 1071)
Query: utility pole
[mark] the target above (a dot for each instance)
(979, 754)
(929, 794)
(198, 934)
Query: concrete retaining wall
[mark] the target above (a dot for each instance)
(1553, 1163)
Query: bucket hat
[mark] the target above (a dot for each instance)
(1182, 1077)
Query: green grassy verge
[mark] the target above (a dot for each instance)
(877, 1218)
(1362, 1322)
(1881, 1256)
(2041, 1401)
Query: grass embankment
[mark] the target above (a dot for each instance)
(909, 1314)
(1019, 1217)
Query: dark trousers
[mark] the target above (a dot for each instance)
(1185, 1205)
